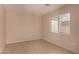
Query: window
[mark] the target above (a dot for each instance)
(61, 23)
(55, 26)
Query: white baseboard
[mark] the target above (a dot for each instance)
(60, 46)
(17, 41)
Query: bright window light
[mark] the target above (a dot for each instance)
(54, 26)
(61, 24)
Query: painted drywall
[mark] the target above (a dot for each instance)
(71, 41)
(2, 28)
(21, 26)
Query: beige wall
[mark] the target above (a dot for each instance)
(2, 28)
(21, 26)
(71, 41)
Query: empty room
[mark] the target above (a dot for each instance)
(39, 29)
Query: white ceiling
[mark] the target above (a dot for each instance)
(37, 9)
(41, 9)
